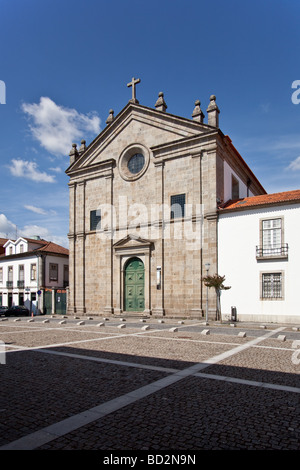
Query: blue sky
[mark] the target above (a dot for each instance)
(65, 64)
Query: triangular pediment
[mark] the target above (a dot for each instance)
(136, 123)
(132, 241)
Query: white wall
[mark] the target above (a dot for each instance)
(238, 236)
(228, 172)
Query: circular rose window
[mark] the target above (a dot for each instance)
(136, 163)
(133, 162)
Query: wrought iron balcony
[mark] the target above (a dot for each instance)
(20, 284)
(272, 252)
(9, 284)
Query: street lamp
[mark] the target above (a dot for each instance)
(207, 265)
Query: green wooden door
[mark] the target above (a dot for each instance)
(134, 286)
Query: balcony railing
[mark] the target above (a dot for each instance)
(272, 252)
(20, 284)
(9, 284)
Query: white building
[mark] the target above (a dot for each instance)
(259, 254)
(34, 273)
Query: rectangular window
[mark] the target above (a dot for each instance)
(10, 273)
(21, 272)
(235, 189)
(272, 286)
(33, 272)
(95, 220)
(271, 233)
(177, 206)
(53, 272)
(10, 278)
(1, 275)
(21, 276)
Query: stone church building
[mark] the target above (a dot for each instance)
(144, 198)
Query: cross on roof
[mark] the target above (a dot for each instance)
(133, 82)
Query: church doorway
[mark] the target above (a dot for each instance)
(134, 288)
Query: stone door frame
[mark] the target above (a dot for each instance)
(125, 249)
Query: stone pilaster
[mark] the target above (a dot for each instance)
(158, 308)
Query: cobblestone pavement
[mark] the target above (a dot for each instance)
(135, 385)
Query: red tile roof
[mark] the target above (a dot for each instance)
(46, 247)
(262, 200)
(51, 247)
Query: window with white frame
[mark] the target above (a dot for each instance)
(1, 275)
(33, 272)
(272, 239)
(272, 286)
(271, 233)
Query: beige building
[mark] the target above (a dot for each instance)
(144, 199)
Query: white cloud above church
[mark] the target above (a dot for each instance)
(29, 170)
(56, 127)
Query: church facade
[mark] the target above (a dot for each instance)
(144, 198)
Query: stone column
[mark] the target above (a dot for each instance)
(72, 250)
(53, 309)
(109, 308)
(80, 248)
(210, 224)
(196, 246)
(157, 299)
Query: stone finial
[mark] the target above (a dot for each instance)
(160, 103)
(82, 147)
(111, 117)
(73, 153)
(198, 115)
(213, 112)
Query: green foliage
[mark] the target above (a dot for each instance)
(215, 281)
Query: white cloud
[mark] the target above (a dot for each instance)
(295, 164)
(7, 228)
(56, 127)
(56, 169)
(37, 210)
(30, 230)
(25, 169)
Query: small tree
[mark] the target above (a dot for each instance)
(217, 282)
